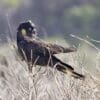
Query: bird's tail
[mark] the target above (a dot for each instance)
(77, 75)
(74, 74)
(67, 69)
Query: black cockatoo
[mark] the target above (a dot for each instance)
(35, 51)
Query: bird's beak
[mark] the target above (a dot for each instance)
(34, 32)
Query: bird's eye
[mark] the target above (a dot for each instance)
(23, 31)
(30, 29)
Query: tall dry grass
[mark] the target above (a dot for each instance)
(47, 83)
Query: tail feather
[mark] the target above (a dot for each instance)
(67, 69)
(74, 74)
(77, 75)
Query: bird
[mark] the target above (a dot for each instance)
(35, 51)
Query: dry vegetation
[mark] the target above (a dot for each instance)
(48, 83)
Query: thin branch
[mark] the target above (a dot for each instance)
(89, 43)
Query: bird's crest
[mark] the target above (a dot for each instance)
(32, 24)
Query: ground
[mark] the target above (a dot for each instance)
(47, 83)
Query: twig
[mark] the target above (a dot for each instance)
(89, 43)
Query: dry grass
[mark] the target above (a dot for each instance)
(48, 83)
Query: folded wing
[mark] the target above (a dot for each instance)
(52, 48)
(56, 49)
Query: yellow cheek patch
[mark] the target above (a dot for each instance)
(23, 31)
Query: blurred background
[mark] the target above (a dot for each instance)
(52, 17)
(68, 22)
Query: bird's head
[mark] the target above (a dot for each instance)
(27, 29)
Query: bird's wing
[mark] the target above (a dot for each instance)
(52, 48)
(55, 49)
(37, 47)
